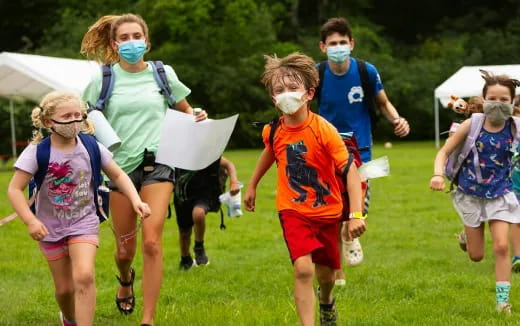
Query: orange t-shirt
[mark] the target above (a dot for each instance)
(308, 157)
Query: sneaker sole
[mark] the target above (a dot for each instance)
(201, 265)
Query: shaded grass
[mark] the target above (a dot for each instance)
(413, 273)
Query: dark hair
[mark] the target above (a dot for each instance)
(338, 25)
(503, 80)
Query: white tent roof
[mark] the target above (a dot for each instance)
(467, 81)
(33, 76)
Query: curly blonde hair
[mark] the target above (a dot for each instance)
(96, 43)
(48, 106)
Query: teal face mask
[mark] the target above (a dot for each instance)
(132, 51)
(339, 53)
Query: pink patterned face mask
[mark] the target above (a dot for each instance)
(69, 129)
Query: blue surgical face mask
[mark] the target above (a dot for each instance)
(132, 51)
(339, 53)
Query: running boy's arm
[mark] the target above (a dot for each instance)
(437, 180)
(123, 183)
(265, 161)
(234, 184)
(355, 227)
(18, 183)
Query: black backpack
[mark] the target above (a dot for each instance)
(210, 181)
(369, 97)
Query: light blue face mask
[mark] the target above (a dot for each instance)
(132, 51)
(339, 53)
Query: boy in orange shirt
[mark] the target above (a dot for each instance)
(310, 155)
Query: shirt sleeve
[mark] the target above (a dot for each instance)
(265, 137)
(374, 78)
(106, 155)
(179, 90)
(27, 160)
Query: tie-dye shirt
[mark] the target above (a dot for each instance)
(65, 202)
(494, 153)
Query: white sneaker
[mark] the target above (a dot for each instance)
(352, 251)
(504, 308)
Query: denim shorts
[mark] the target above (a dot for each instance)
(141, 178)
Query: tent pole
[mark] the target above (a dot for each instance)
(436, 114)
(13, 133)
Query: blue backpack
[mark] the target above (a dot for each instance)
(101, 193)
(462, 152)
(107, 84)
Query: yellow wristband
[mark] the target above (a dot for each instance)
(358, 215)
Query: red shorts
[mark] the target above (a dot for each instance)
(318, 237)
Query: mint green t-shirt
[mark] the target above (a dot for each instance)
(136, 111)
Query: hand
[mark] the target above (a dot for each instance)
(401, 127)
(249, 199)
(437, 182)
(203, 115)
(142, 209)
(354, 228)
(234, 188)
(37, 229)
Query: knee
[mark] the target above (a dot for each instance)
(501, 249)
(126, 253)
(64, 290)
(83, 279)
(152, 248)
(304, 273)
(476, 256)
(199, 214)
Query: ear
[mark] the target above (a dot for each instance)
(352, 43)
(47, 123)
(323, 47)
(310, 93)
(114, 46)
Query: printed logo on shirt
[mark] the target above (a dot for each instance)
(355, 94)
(302, 175)
(67, 198)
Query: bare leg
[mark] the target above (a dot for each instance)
(82, 256)
(475, 242)
(325, 276)
(199, 220)
(61, 271)
(184, 242)
(515, 238)
(157, 196)
(124, 222)
(499, 234)
(303, 289)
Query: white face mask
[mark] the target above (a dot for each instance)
(289, 102)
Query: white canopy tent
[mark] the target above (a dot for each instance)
(467, 82)
(32, 76)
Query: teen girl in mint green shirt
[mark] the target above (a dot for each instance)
(136, 111)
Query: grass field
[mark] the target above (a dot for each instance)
(414, 272)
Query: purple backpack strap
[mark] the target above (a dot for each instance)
(477, 122)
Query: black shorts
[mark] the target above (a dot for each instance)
(140, 178)
(184, 212)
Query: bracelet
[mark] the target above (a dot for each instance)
(358, 215)
(234, 182)
(438, 175)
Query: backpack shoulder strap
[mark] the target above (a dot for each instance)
(477, 122)
(107, 84)
(274, 125)
(367, 90)
(321, 72)
(94, 153)
(159, 74)
(43, 153)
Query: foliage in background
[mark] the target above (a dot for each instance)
(217, 46)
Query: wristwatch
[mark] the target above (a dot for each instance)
(358, 215)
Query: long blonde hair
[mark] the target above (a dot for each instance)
(96, 43)
(48, 106)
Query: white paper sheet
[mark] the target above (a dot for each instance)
(191, 145)
(377, 168)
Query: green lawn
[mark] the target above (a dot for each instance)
(413, 274)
